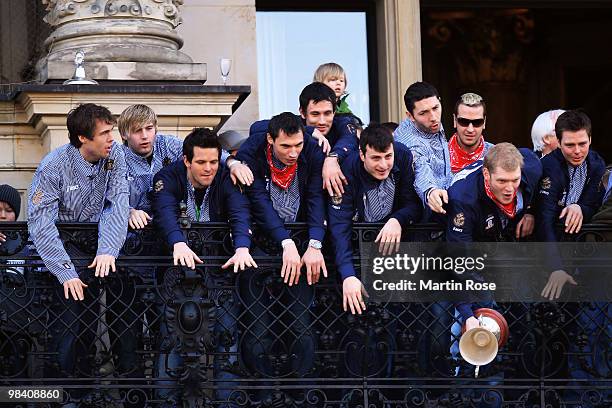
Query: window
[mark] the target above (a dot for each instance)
(292, 44)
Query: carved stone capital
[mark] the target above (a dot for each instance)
(63, 11)
(112, 32)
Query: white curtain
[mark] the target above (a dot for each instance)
(291, 45)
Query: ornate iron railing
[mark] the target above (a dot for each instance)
(154, 334)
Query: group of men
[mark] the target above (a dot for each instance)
(312, 168)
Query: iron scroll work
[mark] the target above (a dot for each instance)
(158, 335)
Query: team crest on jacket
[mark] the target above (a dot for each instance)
(166, 161)
(37, 197)
(110, 163)
(545, 183)
(459, 220)
(159, 186)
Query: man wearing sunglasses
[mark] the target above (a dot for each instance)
(467, 145)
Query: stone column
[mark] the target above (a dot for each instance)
(399, 54)
(122, 39)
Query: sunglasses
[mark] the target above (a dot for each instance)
(464, 122)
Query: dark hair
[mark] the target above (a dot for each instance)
(417, 92)
(317, 92)
(200, 137)
(287, 122)
(391, 126)
(572, 120)
(81, 121)
(377, 137)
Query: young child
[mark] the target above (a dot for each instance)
(333, 75)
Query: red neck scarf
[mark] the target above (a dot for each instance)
(284, 177)
(508, 209)
(459, 158)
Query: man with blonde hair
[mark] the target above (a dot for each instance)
(488, 205)
(146, 152)
(543, 134)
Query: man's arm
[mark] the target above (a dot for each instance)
(340, 229)
(240, 222)
(411, 207)
(315, 196)
(548, 195)
(113, 225)
(239, 214)
(424, 179)
(43, 207)
(262, 209)
(347, 141)
(167, 196)
(460, 228)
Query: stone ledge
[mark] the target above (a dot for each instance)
(126, 71)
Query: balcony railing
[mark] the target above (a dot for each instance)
(154, 334)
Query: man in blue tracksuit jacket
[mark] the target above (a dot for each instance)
(380, 189)
(286, 163)
(487, 206)
(570, 180)
(570, 192)
(206, 189)
(336, 134)
(476, 217)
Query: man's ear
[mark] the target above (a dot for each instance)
(302, 113)
(186, 162)
(486, 174)
(409, 116)
(361, 156)
(269, 138)
(82, 139)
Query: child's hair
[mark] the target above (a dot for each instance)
(329, 70)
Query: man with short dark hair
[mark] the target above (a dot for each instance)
(209, 195)
(423, 134)
(318, 107)
(206, 189)
(380, 189)
(569, 189)
(286, 163)
(83, 181)
(337, 135)
(570, 192)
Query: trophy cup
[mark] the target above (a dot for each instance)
(479, 346)
(79, 72)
